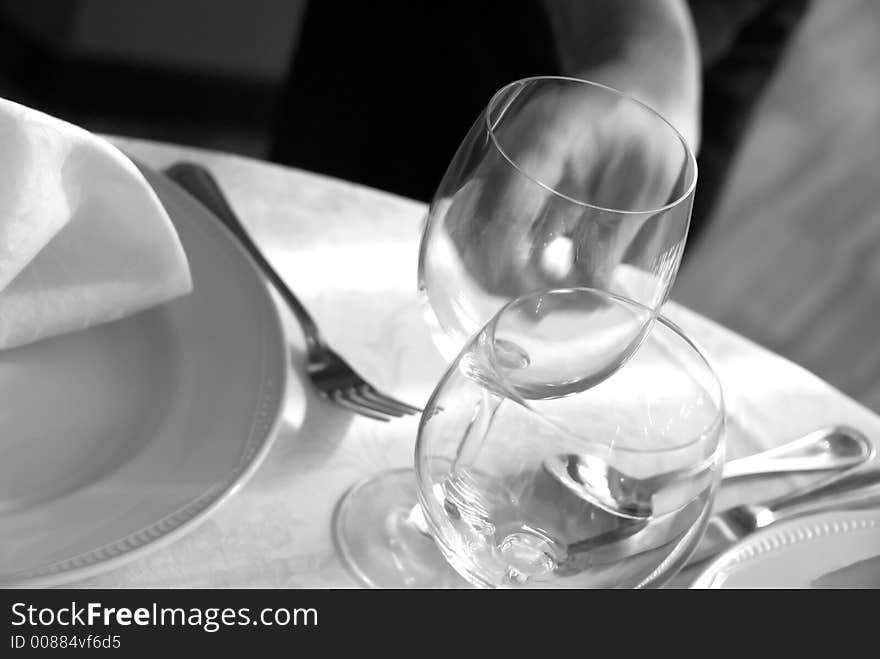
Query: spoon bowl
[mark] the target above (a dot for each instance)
(592, 479)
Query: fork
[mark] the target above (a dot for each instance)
(334, 378)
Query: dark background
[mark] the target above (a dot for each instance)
(789, 253)
(199, 72)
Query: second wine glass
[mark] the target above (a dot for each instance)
(640, 453)
(608, 487)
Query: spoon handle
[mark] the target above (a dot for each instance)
(835, 447)
(863, 485)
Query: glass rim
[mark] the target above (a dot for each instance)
(689, 154)
(692, 346)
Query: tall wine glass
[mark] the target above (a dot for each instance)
(608, 487)
(559, 183)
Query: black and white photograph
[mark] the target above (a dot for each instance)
(422, 295)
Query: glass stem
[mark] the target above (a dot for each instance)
(477, 430)
(475, 436)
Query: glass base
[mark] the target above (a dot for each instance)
(381, 537)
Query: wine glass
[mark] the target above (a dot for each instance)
(641, 452)
(607, 486)
(559, 183)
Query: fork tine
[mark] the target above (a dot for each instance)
(339, 397)
(376, 396)
(357, 393)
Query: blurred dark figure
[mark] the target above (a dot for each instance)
(383, 93)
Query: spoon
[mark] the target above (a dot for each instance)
(860, 489)
(595, 481)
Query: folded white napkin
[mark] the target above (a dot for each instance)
(83, 238)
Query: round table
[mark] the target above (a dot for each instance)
(276, 530)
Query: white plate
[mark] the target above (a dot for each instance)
(116, 439)
(828, 550)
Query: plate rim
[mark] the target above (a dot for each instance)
(793, 532)
(264, 430)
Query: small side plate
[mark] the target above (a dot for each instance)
(839, 549)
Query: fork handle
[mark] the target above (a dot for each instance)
(202, 185)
